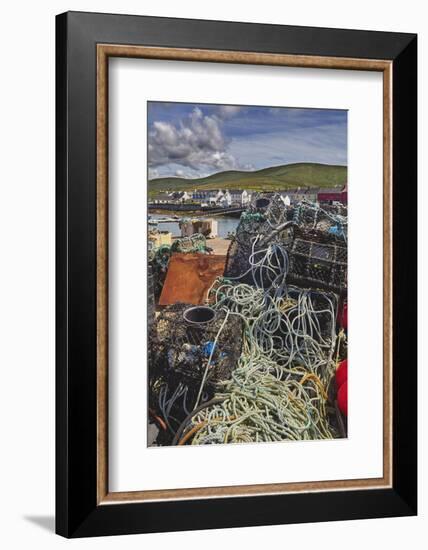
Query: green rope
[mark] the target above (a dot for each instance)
(279, 389)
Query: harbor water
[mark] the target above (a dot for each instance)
(226, 224)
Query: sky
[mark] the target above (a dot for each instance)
(195, 140)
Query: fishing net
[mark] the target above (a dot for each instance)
(195, 243)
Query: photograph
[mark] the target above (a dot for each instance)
(209, 213)
(247, 273)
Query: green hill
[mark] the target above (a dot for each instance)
(283, 177)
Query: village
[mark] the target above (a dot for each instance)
(228, 198)
(215, 213)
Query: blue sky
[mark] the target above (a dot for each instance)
(195, 140)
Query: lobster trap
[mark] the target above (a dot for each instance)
(327, 224)
(319, 263)
(315, 240)
(257, 227)
(182, 342)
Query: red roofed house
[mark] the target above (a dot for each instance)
(334, 195)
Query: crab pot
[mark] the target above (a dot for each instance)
(318, 223)
(259, 220)
(175, 359)
(320, 265)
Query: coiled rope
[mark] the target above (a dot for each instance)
(279, 389)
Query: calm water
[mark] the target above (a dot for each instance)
(225, 224)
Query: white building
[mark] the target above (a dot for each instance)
(162, 198)
(239, 197)
(181, 196)
(204, 195)
(224, 200)
(205, 226)
(286, 199)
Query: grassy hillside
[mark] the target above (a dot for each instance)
(286, 176)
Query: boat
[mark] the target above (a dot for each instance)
(168, 220)
(156, 221)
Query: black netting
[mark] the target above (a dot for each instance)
(327, 224)
(321, 303)
(315, 239)
(318, 264)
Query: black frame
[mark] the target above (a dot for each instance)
(77, 513)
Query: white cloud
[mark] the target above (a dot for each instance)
(196, 146)
(228, 111)
(153, 173)
(196, 142)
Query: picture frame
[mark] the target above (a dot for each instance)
(84, 44)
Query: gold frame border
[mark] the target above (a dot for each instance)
(104, 51)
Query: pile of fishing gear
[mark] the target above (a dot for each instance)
(258, 361)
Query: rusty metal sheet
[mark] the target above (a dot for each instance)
(189, 278)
